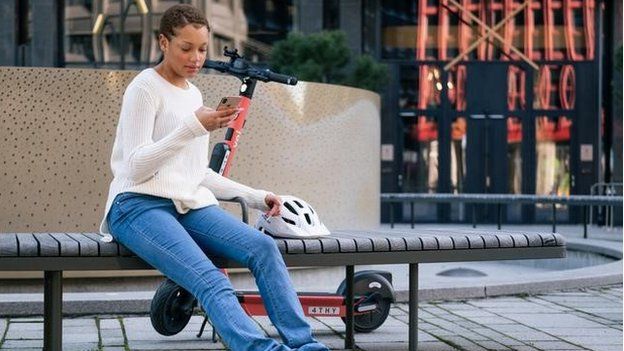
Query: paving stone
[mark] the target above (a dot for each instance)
(80, 346)
(523, 333)
(175, 345)
(563, 332)
(24, 326)
(3, 327)
(110, 323)
(470, 314)
(113, 348)
(456, 306)
(72, 338)
(17, 331)
(78, 322)
(497, 336)
(463, 343)
(492, 320)
(605, 348)
(594, 340)
(554, 345)
(114, 342)
(18, 344)
(524, 348)
(492, 345)
(541, 320)
(422, 346)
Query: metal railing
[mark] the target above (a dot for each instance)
(502, 199)
(605, 189)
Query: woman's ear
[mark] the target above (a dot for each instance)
(163, 42)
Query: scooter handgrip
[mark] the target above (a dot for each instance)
(281, 78)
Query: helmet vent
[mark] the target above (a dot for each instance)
(268, 232)
(307, 217)
(311, 209)
(298, 203)
(291, 222)
(290, 208)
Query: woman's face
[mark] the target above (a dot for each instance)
(186, 52)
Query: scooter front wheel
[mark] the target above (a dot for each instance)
(171, 309)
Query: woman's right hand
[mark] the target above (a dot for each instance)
(215, 119)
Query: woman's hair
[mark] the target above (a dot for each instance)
(179, 16)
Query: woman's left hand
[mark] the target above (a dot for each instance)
(274, 202)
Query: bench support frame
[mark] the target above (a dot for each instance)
(53, 311)
(413, 306)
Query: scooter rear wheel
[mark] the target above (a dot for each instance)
(171, 309)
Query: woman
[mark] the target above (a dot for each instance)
(162, 200)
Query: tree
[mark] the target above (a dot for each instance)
(324, 57)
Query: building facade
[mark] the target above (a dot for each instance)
(485, 96)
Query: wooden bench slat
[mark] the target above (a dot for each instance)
(397, 244)
(27, 245)
(460, 242)
(534, 239)
(86, 246)
(69, 246)
(362, 243)
(48, 246)
(294, 246)
(8, 245)
(549, 239)
(330, 245)
(429, 242)
(475, 241)
(519, 240)
(505, 240)
(281, 245)
(491, 241)
(346, 245)
(444, 243)
(312, 246)
(105, 249)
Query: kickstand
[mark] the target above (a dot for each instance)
(215, 336)
(203, 326)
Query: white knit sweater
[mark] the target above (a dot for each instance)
(161, 149)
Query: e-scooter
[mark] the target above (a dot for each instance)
(172, 306)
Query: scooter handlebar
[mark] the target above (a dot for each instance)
(244, 70)
(281, 78)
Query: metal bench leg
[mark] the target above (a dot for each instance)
(53, 310)
(349, 339)
(413, 306)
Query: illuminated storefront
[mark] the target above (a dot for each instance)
(495, 96)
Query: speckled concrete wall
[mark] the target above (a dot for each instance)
(316, 141)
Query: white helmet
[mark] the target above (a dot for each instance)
(297, 219)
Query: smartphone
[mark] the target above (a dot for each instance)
(229, 102)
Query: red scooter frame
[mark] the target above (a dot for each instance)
(172, 306)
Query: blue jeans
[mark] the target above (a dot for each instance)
(178, 245)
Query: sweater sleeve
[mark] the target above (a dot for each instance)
(142, 154)
(227, 189)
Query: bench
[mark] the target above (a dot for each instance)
(57, 127)
(54, 253)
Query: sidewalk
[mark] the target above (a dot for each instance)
(588, 319)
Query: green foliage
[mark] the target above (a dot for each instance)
(324, 57)
(368, 74)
